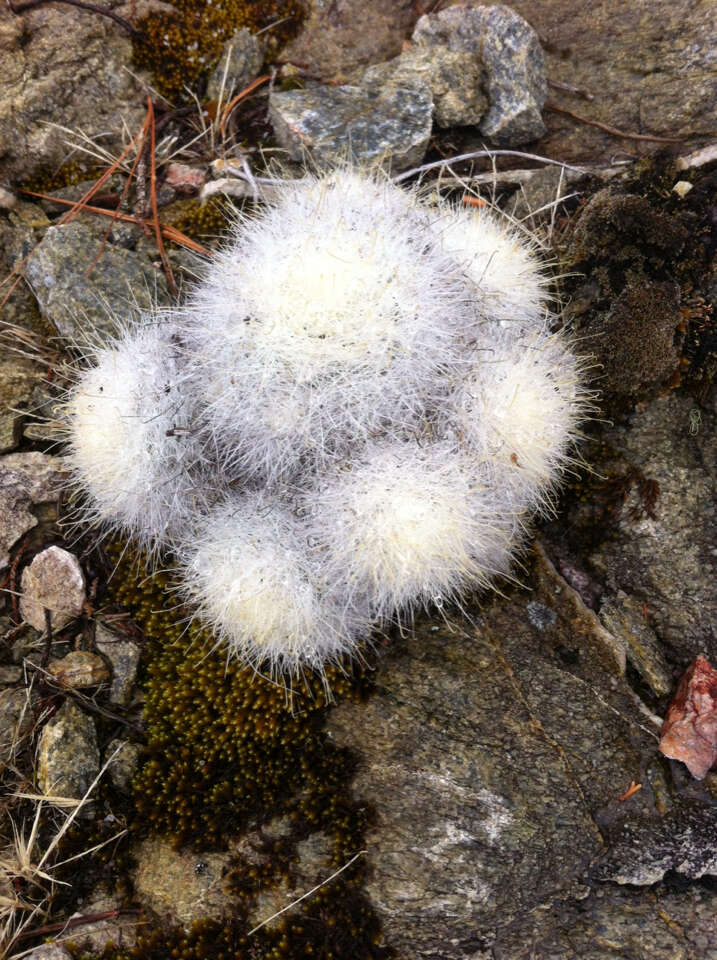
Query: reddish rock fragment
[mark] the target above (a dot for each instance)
(185, 179)
(689, 732)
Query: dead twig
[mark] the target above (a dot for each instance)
(623, 134)
(91, 7)
(235, 100)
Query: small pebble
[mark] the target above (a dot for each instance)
(53, 581)
(79, 669)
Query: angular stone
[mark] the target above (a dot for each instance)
(513, 61)
(123, 656)
(453, 77)
(49, 951)
(181, 886)
(54, 581)
(335, 123)
(18, 378)
(79, 669)
(625, 619)
(62, 67)
(121, 281)
(689, 732)
(26, 480)
(239, 64)
(124, 765)
(16, 721)
(68, 759)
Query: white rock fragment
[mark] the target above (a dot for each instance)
(54, 581)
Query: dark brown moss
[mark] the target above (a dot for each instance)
(182, 48)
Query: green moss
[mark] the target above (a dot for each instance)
(225, 747)
(208, 223)
(180, 49)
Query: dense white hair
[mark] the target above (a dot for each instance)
(501, 260)
(518, 411)
(131, 443)
(332, 316)
(248, 569)
(405, 524)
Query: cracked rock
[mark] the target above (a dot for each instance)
(512, 59)
(26, 480)
(123, 656)
(239, 64)
(453, 77)
(332, 123)
(121, 281)
(68, 759)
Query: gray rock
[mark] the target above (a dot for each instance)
(181, 886)
(18, 378)
(123, 656)
(119, 931)
(310, 866)
(333, 123)
(682, 840)
(26, 480)
(495, 752)
(453, 77)
(660, 923)
(68, 759)
(16, 722)
(668, 562)
(54, 581)
(49, 951)
(512, 59)
(625, 618)
(125, 764)
(241, 59)
(62, 66)
(121, 281)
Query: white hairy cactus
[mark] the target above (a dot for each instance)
(130, 443)
(367, 390)
(247, 569)
(332, 317)
(408, 524)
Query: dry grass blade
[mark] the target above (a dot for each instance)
(238, 98)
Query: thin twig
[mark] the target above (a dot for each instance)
(103, 11)
(240, 96)
(613, 130)
(578, 91)
(168, 232)
(479, 154)
(63, 925)
(307, 894)
(153, 195)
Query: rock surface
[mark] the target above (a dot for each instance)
(454, 78)
(79, 669)
(125, 764)
(66, 65)
(16, 721)
(340, 36)
(18, 379)
(180, 886)
(123, 656)
(240, 63)
(121, 281)
(333, 123)
(54, 581)
(26, 480)
(68, 759)
(512, 60)
(499, 752)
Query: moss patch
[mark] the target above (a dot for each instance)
(181, 49)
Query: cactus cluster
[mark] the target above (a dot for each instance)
(355, 413)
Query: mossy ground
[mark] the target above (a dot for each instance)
(181, 48)
(226, 747)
